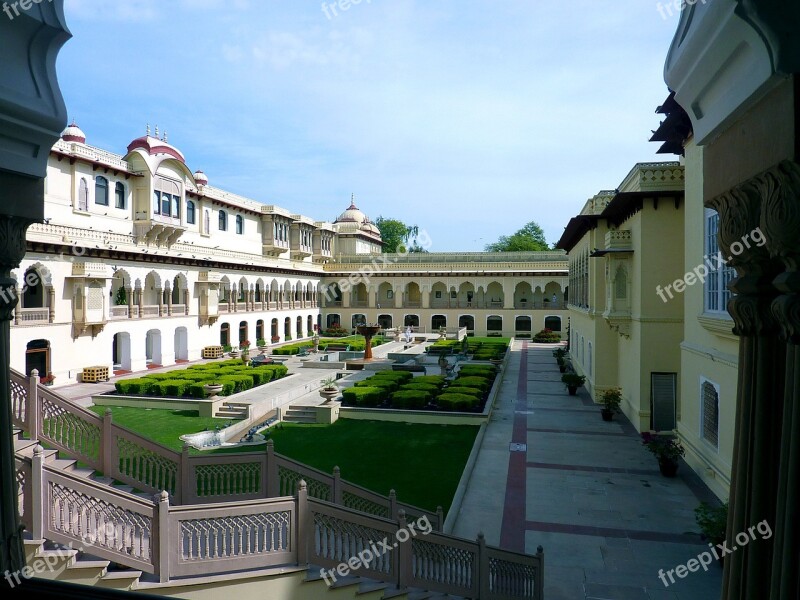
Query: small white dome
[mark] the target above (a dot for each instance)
(352, 215)
(73, 133)
(200, 178)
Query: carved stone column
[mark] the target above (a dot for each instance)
(780, 221)
(759, 401)
(129, 296)
(12, 249)
(51, 303)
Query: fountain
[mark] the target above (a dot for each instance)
(368, 331)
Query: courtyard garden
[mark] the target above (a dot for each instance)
(355, 343)
(481, 348)
(233, 375)
(422, 463)
(468, 392)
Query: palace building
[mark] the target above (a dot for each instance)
(141, 262)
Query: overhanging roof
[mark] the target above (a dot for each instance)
(575, 230)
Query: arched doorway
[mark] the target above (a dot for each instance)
(299, 327)
(243, 329)
(287, 328)
(358, 319)
(275, 336)
(467, 321)
(438, 321)
(153, 348)
(411, 321)
(181, 344)
(37, 356)
(385, 321)
(552, 323)
(260, 329)
(310, 325)
(333, 320)
(522, 324)
(225, 335)
(494, 323)
(121, 351)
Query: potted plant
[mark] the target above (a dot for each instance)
(611, 399)
(329, 389)
(244, 346)
(713, 521)
(562, 364)
(261, 344)
(573, 381)
(276, 339)
(559, 353)
(212, 389)
(667, 450)
(315, 341)
(47, 379)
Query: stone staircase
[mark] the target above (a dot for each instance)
(300, 414)
(364, 587)
(233, 410)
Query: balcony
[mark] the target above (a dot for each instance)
(32, 316)
(150, 311)
(118, 312)
(159, 230)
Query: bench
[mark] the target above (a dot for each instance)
(257, 361)
(337, 348)
(411, 368)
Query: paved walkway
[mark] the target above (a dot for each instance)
(584, 489)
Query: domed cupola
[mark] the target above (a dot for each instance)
(73, 133)
(156, 145)
(352, 214)
(200, 178)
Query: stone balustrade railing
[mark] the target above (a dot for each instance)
(308, 517)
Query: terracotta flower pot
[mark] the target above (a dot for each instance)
(668, 467)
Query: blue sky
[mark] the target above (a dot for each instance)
(467, 118)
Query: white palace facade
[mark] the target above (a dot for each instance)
(140, 262)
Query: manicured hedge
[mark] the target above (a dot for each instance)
(473, 382)
(139, 386)
(242, 383)
(425, 387)
(388, 385)
(485, 370)
(399, 376)
(437, 380)
(468, 391)
(456, 402)
(410, 399)
(170, 387)
(363, 396)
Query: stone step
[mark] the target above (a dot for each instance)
(240, 405)
(229, 414)
(120, 580)
(300, 419)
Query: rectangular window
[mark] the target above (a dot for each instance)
(156, 203)
(176, 208)
(709, 412)
(716, 292)
(166, 201)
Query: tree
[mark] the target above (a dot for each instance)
(396, 235)
(528, 239)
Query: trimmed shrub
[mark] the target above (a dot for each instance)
(410, 399)
(363, 396)
(425, 387)
(399, 376)
(473, 382)
(241, 383)
(140, 386)
(170, 387)
(196, 377)
(161, 376)
(468, 391)
(228, 386)
(388, 385)
(456, 402)
(196, 390)
(277, 371)
(437, 380)
(490, 370)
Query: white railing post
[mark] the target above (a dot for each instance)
(273, 484)
(403, 554)
(483, 568)
(110, 469)
(33, 412)
(37, 493)
(304, 525)
(392, 504)
(336, 492)
(539, 583)
(186, 478)
(164, 548)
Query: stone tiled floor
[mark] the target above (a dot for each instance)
(586, 490)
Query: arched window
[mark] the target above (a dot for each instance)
(225, 335)
(190, 212)
(101, 190)
(223, 221)
(119, 195)
(710, 412)
(83, 195)
(239, 224)
(621, 284)
(166, 204)
(156, 203)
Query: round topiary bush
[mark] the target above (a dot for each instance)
(410, 399)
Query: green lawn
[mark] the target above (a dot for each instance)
(489, 340)
(165, 426)
(423, 463)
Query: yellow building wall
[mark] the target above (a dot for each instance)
(709, 352)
